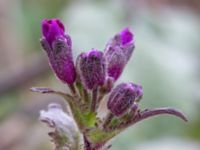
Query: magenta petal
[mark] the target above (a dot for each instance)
(126, 36)
(51, 29)
(60, 24)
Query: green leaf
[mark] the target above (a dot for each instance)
(90, 119)
(100, 136)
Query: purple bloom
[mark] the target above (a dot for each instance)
(91, 68)
(51, 29)
(58, 45)
(118, 51)
(122, 98)
(126, 36)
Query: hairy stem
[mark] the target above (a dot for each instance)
(90, 146)
(85, 95)
(45, 90)
(108, 119)
(94, 100)
(150, 113)
(72, 89)
(87, 145)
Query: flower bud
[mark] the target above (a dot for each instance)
(122, 98)
(58, 48)
(118, 51)
(51, 29)
(91, 69)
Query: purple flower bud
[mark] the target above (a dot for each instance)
(122, 98)
(51, 29)
(118, 51)
(126, 36)
(91, 68)
(58, 48)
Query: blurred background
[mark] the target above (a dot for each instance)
(165, 62)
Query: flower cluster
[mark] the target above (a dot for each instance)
(90, 78)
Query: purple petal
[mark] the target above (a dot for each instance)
(51, 29)
(126, 36)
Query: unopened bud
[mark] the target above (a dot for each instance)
(122, 98)
(58, 48)
(118, 51)
(91, 68)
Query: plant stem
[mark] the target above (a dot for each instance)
(107, 120)
(101, 96)
(90, 146)
(87, 145)
(72, 89)
(85, 96)
(94, 100)
(153, 112)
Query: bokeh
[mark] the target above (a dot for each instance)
(166, 62)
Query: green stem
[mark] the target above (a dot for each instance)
(85, 96)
